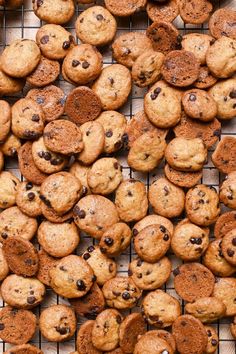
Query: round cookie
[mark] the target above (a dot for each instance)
(152, 243)
(193, 281)
(182, 178)
(58, 12)
(233, 328)
(222, 23)
(113, 86)
(195, 11)
(129, 46)
(60, 191)
(131, 200)
(5, 120)
(166, 198)
(215, 261)
(229, 247)
(81, 172)
(54, 41)
(224, 94)
(205, 78)
(114, 125)
(228, 191)
(94, 214)
(28, 200)
(224, 156)
(206, 309)
(8, 188)
(213, 340)
(58, 240)
(121, 293)
(225, 290)
(11, 146)
(24, 348)
(46, 72)
(160, 309)
(46, 263)
(131, 328)
(10, 85)
(225, 223)
(103, 267)
(164, 36)
(57, 323)
(4, 269)
(115, 239)
(83, 64)
(14, 223)
(198, 44)
(84, 339)
(17, 326)
(124, 8)
(52, 100)
(159, 11)
(64, 277)
(150, 276)
(20, 58)
(167, 336)
(21, 256)
(21, 292)
(105, 332)
(151, 220)
(190, 335)
(96, 26)
(225, 48)
(151, 340)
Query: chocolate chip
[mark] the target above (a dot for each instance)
(130, 273)
(130, 194)
(39, 2)
(214, 342)
(176, 272)
(166, 189)
(94, 278)
(217, 132)
(209, 333)
(29, 262)
(45, 200)
(84, 191)
(135, 232)
(66, 45)
(4, 235)
(232, 94)
(56, 161)
(40, 100)
(162, 228)
(86, 256)
(31, 300)
(31, 196)
(157, 91)
(90, 249)
(99, 17)
(109, 133)
(29, 186)
(80, 213)
(75, 63)
(230, 252)
(118, 319)
(47, 156)
(30, 134)
(80, 285)
(116, 165)
(118, 145)
(166, 237)
(196, 240)
(103, 250)
(62, 330)
(110, 267)
(1, 326)
(85, 65)
(62, 268)
(139, 263)
(35, 118)
(153, 96)
(111, 80)
(234, 241)
(126, 295)
(44, 39)
(109, 241)
(192, 97)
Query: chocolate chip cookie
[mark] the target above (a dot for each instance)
(151, 220)
(124, 8)
(8, 188)
(131, 328)
(84, 339)
(152, 340)
(182, 178)
(229, 247)
(4, 269)
(5, 120)
(225, 223)
(206, 309)
(159, 11)
(225, 290)
(28, 200)
(58, 12)
(45, 73)
(228, 191)
(198, 44)
(224, 94)
(213, 340)
(224, 156)
(195, 11)
(222, 23)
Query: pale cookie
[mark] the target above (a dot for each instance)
(28, 199)
(222, 23)
(228, 191)
(153, 341)
(8, 188)
(131, 328)
(84, 339)
(5, 119)
(225, 290)
(10, 85)
(198, 44)
(46, 72)
(195, 12)
(182, 178)
(125, 8)
(81, 172)
(153, 219)
(162, 11)
(224, 94)
(224, 156)
(4, 269)
(11, 145)
(206, 309)
(213, 340)
(229, 247)
(58, 12)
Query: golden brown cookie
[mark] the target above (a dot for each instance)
(195, 11)
(84, 339)
(158, 11)
(124, 8)
(228, 191)
(225, 290)
(58, 12)
(45, 72)
(182, 178)
(224, 156)
(206, 309)
(131, 328)
(222, 23)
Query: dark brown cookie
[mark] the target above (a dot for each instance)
(164, 36)
(190, 335)
(45, 73)
(91, 304)
(82, 105)
(222, 23)
(24, 349)
(205, 79)
(132, 327)
(17, 326)
(225, 223)
(84, 339)
(224, 156)
(46, 263)
(166, 11)
(167, 336)
(195, 11)
(182, 178)
(193, 281)
(21, 256)
(180, 68)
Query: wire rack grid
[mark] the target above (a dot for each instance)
(22, 23)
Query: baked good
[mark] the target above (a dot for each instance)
(131, 328)
(28, 200)
(229, 247)
(228, 191)
(152, 340)
(58, 12)
(195, 11)
(162, 10)
(4, 269)
(151, 220)
(11, 146)
(213, 340)
(225, 290)
(205, 78)
(224, 93)
(206, 309)
(24, 348)
(8, 188)
(233, 328)
(225, 223)
(224, 156)
(46, 263)
(221, 23)
(123, 8)
(45, 72)
(84, 339)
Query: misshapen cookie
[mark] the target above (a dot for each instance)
(153, 341)
(151, 220)
(124, 8)
(115, 239)
(11, 146)
(206, 309)
(224, 156)
(84, 339)
(225, 290)
(58, 12)
(45, 72)
(46, 263)
(28, 199)
(205, 78)
(5, 119)
(131, 328)
(198, 44)
(182, 178)
(8, 188)
(222, 23)
(24, 348)
(228, 191)
(224, 94)
(4, 269)
(225, 223)
(10, 85)
(213, 340)
(229, 247)
(195, 11)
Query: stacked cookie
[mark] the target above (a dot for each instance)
(68, 148)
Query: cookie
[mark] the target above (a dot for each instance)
(190, 335)
(121, 293)
(182, 178)
(46, 72)
(205, 79)
(167, 336)
(83, 64)
(115, 239)
(124, 8)
(215, 261)
(28, 200)
(225, 223)
(58, 240)
(20, 58)
(4, 269)
(114, 125)
(131, 200)
(166, 198)
(53, 216)
(195, 11)
(46, 263)
(129, 46)
(14, 223)
(206, 309)
(162, 11)
(222, 22)
(228, 191)
(113, 86)
(23, 349)
(150, 276)
(103, 267)
(151, 340)
(21, 256)
(5, 120)
(52, 100)
(189, 242)
(233, 328)
(147, 152)
(229, 247)
(84, 339)
(94, 214)
(180, 68)
(225, 290)
(8, 188)
(224, 156)
(226, 48)
(189, 128)
(81, 172)
(164, 36)
(96, 26)
(58, 12)
(72, 277)
(198, 44)
(11, 146)
(57, 323)
(162, 106)
(213, 340)
(54, 41)
(60, 191)
(91, 304)
(131, 328)
(193, 281)
(10, 85)
(17, 326)
(151, 220)
(224, 93)
(105, 332)
(160, 309)
(21, 292)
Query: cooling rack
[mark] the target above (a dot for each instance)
(22, 23)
